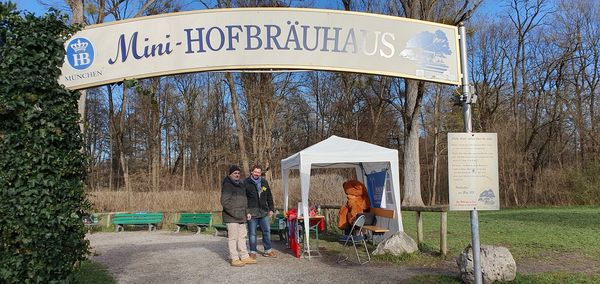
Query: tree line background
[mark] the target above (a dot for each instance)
(165, 143)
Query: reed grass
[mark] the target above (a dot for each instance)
(324, 189)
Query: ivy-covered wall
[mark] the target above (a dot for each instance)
(41, 166)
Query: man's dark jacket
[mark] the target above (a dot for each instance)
(234, 202)
(258, 206)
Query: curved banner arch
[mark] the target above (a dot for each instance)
(261, 38)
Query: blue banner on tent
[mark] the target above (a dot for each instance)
(375, 187)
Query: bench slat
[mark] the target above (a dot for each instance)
(375, 229)
(137, 218)
(136, 222)
(382, 212)
(138, 214)
(195, 218)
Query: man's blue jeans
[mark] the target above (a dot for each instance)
(266, 233)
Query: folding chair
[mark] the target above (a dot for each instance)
(355, 237)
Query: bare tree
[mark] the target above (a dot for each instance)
(429, 10)
(238, 120)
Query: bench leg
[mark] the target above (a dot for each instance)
(376, 238)
(150, 226)
(119, 228)
(199, 230)
(178, 228)
(226, 233)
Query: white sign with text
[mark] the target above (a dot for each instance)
(473, 171)
(261, 38)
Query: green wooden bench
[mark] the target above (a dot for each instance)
(220, 228)
(90, 221)
(278, 226)
(151, 219)
(200, 220)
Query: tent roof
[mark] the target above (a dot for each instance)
(339, 152)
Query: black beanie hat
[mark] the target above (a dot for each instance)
(233, 168)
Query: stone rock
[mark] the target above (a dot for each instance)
(397, 244)
(497, 264)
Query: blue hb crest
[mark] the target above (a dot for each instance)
(80, 53)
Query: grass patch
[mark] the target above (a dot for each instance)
(406, 258)
(434, 279)
(541, 278)
(529, 232)
(556, 277)
(92, 272)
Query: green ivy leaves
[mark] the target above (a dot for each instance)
(41, 166)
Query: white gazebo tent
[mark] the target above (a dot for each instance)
(338, 152)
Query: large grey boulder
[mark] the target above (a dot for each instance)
(497, 264)
(397, 244)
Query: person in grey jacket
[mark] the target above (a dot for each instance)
(235, 215)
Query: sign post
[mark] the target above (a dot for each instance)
(472, 165)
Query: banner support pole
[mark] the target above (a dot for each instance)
(467, 99)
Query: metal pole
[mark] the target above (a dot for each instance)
(466, 100)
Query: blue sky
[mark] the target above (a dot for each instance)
(31, 6)
(38, 9)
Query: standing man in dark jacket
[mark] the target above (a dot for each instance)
(235, 215)
(260, 207)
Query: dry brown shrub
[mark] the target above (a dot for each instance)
(324, 189)
(551, 187)
(165, 201)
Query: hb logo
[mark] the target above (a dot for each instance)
(80, 53)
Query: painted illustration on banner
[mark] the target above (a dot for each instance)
(430, 51)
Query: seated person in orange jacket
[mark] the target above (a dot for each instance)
(358, 202)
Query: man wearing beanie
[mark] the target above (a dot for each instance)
(260, 207)
(235, 215)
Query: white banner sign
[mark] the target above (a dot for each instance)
(473, 171)
(261, 38)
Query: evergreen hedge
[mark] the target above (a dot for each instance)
(41, 167)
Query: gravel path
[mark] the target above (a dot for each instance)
(165, 257)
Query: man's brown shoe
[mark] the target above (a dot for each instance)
(249, 260)
(253, 256)
(237, 263)
(270, 254)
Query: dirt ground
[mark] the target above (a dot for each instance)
(166, 257)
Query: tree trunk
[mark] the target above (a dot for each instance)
(77, 10)
(412, 167)
(155, 139)
(238, 121)
(436, 153)
(121, 140)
